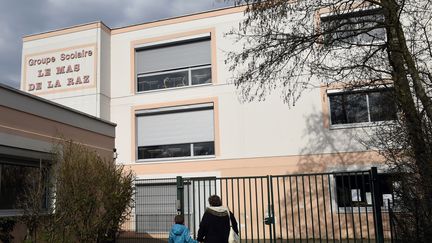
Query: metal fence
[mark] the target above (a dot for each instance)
(321, 207)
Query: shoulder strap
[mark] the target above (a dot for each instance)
(229, 218)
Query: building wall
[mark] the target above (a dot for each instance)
(105, 75)
(253, 138)
(27, 131)
(92, 99)
(37, 125)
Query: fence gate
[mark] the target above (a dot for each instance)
(321, 207)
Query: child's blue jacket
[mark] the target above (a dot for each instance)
(180, 234)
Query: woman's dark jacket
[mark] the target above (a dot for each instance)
(215, 227)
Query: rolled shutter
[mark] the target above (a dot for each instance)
(174, 56)
(183, 125)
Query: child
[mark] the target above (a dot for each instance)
(180, 233)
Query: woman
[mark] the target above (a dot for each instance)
(215, 224)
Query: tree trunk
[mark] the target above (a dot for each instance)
(412, 117)
(412, 69)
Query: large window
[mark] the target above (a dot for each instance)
(354, 27)
(173, 65)
(175, 132)
(364, 106)
(355, 190)
(17, 179)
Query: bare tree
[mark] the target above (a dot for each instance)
(295, 45)
(411, 209)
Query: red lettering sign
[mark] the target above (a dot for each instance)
(60, 70)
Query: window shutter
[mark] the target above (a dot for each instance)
(189, 124)
(176, 56)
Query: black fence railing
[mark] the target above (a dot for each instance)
(320, 207)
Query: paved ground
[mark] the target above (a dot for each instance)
(254, 241)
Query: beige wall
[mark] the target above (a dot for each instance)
(254, 130)
(268, 135)
(281, 165)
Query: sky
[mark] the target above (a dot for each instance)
(19, 18)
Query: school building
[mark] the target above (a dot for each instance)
(167, 87)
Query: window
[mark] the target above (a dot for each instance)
(356, 27)
(173, 65)
(175, 132)
(17, 176)
(355, 190)
(362, 106)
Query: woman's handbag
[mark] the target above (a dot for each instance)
(233, 236)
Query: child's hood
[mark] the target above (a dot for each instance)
(178, 229)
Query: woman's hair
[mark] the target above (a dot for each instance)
(215, 201)
(178, 219)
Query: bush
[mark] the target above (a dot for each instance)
(6, 227)
(91, 197)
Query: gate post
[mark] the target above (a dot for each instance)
(180, 196)
(269, 220)
(379, 234)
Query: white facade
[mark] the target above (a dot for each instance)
(257, 138)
